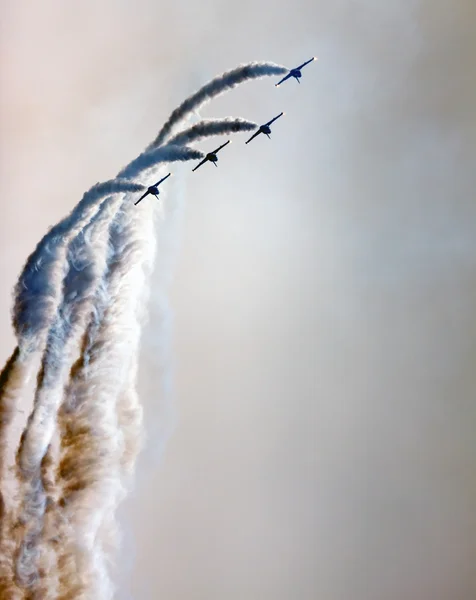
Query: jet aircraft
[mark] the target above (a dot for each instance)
(153, 189)
(211, 156)
(296, 72)
(266, 129)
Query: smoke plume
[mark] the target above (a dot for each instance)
(79, 308)
(209, 127)
(216, 87)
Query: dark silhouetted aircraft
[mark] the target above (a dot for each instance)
(153, 189)
(266, 129)
(296, 73)
(211, 156)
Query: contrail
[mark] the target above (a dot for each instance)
(215, 87)
(209, 127)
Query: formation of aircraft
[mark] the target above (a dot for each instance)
(265, 128)
(212, 156)
(153, 190)
(296, 72)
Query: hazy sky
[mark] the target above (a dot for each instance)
(323, 333)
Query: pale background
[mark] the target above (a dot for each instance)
(323, 334)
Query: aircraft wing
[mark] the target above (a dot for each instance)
(283, 79)
(163, 179)
(200, 164)
(306, 63)
(222, 146)
(142, 197)
(253, 136)
(273, 120)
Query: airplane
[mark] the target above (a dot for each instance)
(153, 189)
(266, 129)
(212, 156)
(296, 72)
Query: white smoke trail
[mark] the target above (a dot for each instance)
(38, 296)
(84, 265)
(131, 229)
(94, 390)
(87, 263)
(140, 167)
(77, 290)
(38, 290)
(213, 88)
(12, 379)
(209, 127)
(86, 285)
(128, 220)
(10, 382)
(62, 339)
(128, 409)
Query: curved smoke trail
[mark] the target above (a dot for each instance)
(127, 221)
(209, 127)
(87, 262)
(80, 276)
(93, 477)
(80, 282)
(81, 299)
(37, 291)
(150, 158)
(216, 87)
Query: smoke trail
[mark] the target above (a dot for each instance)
(38, 296)
(86, 265)
(151, 158)
(91, 458)
(62, 340)
(83, 292)
(36, 300)
(36, 292)
(11, 381)
(82, 279)
(209, 127)
(132, 255)
(129, 409)
(215, 87)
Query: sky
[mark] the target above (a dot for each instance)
(309, 391)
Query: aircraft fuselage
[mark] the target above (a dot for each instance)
(265, 129)
(212, 157)
(153, 190)
(296, 73)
